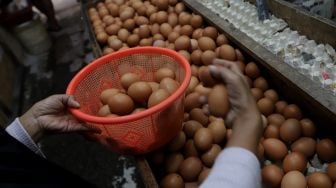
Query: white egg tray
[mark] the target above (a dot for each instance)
(317, 61)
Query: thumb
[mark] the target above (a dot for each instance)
(69, 101)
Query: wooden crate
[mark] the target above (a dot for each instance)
(318, 104)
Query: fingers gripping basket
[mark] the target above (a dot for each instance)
(136, 133)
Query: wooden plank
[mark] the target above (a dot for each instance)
(318, 103)
(315, 27)
(146, 173)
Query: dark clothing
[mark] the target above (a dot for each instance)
(20, 167)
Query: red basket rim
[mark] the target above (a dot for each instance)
(132, 117)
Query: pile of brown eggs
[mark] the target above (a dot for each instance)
(137, 95)
(290, 153)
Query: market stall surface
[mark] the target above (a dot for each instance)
(71, 51)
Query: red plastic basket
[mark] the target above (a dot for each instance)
(136, 133)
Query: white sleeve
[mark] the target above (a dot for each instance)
(234, 168)
(17, 131)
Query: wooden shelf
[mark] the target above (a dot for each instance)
(318, 103)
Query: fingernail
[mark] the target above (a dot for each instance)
(212, 68)
(76, 104)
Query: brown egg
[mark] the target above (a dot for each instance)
(203, 139)
(271, 94)
(280, 106)
(169, 85)
(107, 50)
(205, 77)
(172, 19)
(121, 104)
(177, 28)
(210, 156)
(194, 44)
(207, 57)
(196, 21)
(145, 42)
(275, 149)
(129, 24)
(260, 83)
(172, 180)
(192, 101)
(182, 43)
(319, 180)
(227, 52)
(219, 101)
(197, 114)
(326, 150)
(159, 37)
(308, 127)
(266, 106)
(151, 10)
(190, 149)
(137, 110)
(162, 4)
(184, 18)
(102, 37)
(203, 175)
(141, 11)
(290, 130)
(190, 127)
(275, 119)
(186, 30)
(185, 54)
(133, 40)
(139, 91)
(164, 73)
(218, 130)
(124, 15)
(221, 39)
(179, 7)
(112, 29)
(115, 44)
(165, 29)
(113, 9)
(257, 93)
(305, 145)
(292, 111)
(294, 161)
(197, 33)
(190, 168)
(192, 84)
(173, 36)
(157, 96)
(196, 57)
(161, 17)
(194, 70)
(210, 32)
(104, 111)
(123, 35)
(205, 91)
(173, 162)
(141, 20)
(272, 176)
(154, 85)
(106, 94)
(294, 179)
(331, 171)
(206, 43)
(178, 142)
(144, 31)
(264, 121)
(128, 79)
(272, 131)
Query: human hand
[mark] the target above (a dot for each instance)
(240, 97)
(51, 115)
(243, 114)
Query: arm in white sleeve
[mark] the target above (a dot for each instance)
(17, 131)
(234, 168)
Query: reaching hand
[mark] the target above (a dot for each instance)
(243, 116)
(240, 98)
(51, 115)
